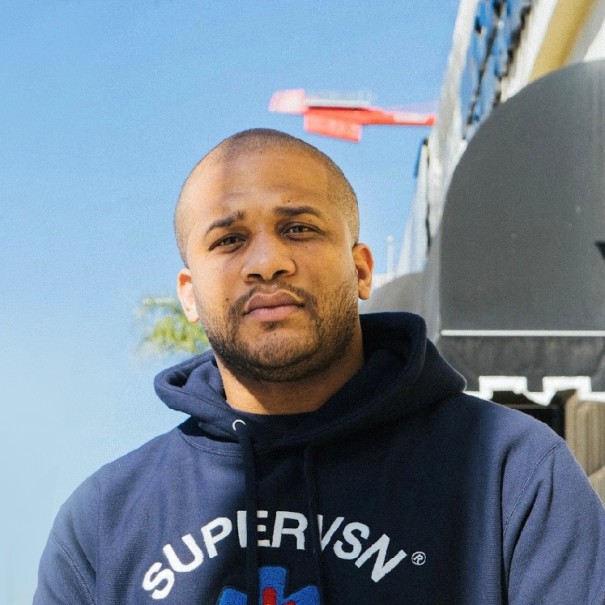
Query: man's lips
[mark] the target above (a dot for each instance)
(270, 303)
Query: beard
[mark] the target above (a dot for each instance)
(277, 357)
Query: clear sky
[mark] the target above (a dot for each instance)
(105, 105)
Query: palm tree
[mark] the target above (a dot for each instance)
(166, 330)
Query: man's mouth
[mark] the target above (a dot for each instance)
(272, 306)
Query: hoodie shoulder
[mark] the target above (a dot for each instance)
(498, 428)
(69, 563)
(551, 521)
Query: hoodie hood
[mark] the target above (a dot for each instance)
(402, 373)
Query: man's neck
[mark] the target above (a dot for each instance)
(292, 397)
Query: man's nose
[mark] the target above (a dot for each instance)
(267, 258)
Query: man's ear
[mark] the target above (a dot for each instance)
(364, 263)
(184, 288)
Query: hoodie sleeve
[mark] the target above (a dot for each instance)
(554, 536)
(67, 567)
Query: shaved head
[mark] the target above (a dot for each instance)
(257, 141)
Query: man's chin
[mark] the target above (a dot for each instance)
(281, 354)
(273, 373)
(283, 361)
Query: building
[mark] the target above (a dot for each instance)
(504, 249)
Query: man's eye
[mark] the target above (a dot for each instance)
(298, 229)
(230, 240)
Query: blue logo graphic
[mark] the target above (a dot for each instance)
(272, 581)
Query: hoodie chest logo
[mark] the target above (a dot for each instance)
(346, 540)
(272, 583)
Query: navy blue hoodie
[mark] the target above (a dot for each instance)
(400, 489)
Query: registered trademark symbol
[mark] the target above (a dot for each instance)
(419, 558)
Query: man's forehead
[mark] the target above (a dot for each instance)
(246, 203)
(270, 156)
(238, 175)
(231, 149)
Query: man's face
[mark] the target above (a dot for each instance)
(274, 274)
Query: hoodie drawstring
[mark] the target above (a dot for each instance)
(311, 483)
(252, 587)
(241, 430)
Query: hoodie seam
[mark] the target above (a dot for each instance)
(204, 448)
(179, 391)
(528, 482)
(329, 430)
(74, 566)
(363, 410)
(600, 592)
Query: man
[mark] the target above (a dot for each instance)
(328, 458)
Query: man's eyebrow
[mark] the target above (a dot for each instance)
(290, 211)
(281, 211)
(227, 221)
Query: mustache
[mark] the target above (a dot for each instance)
(306, 297)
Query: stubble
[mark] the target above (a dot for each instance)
(278, 358)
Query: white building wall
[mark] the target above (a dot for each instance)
(445, 147)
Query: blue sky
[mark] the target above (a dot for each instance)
(106, 105)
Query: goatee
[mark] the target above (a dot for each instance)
(280, 359)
